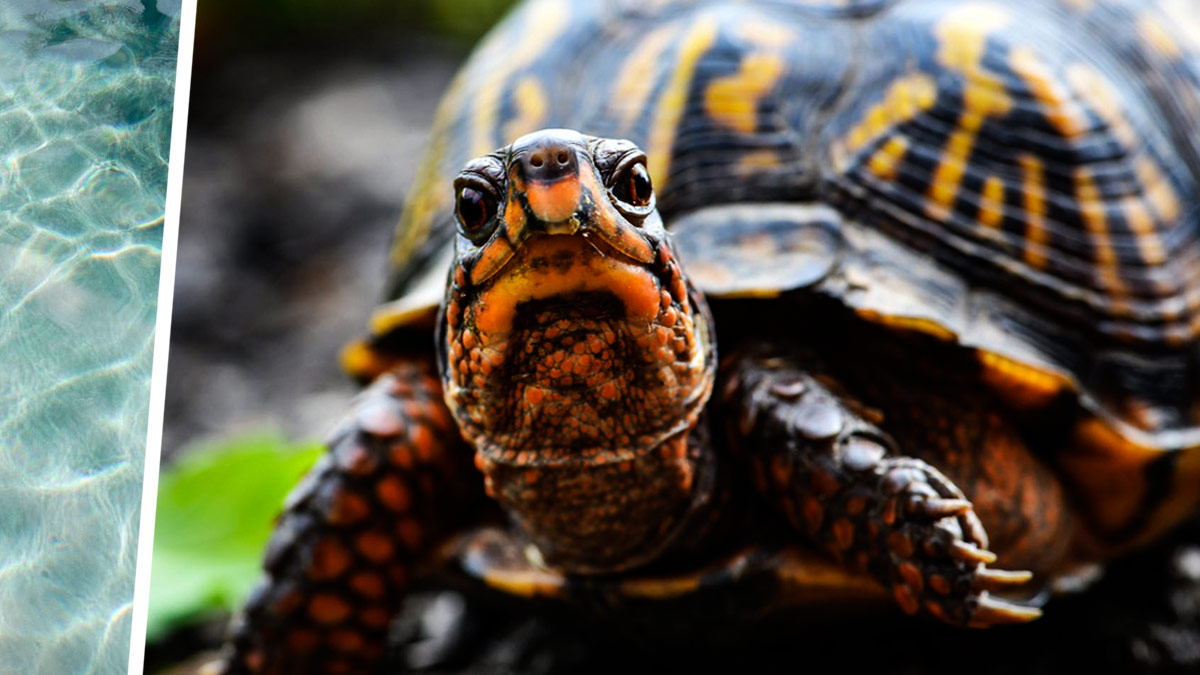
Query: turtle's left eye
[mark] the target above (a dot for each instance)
(475, 208)
(634, 186)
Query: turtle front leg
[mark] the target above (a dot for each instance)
(817, 455)
(346, 544)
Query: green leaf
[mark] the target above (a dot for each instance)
(215, 509)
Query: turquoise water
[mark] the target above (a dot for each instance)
(86, 88)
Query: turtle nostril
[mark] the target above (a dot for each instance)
(536, 160)
(562, 157)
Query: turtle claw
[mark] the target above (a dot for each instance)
(970, 553)
(990, 611)
(936, 509)
(1000, 580)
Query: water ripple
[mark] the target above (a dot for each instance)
(85, 110)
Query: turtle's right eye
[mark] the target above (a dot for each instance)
(475, 209)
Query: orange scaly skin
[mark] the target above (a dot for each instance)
(349, 539)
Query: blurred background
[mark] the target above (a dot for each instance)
(308, 120)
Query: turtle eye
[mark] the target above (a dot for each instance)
(475, 209)
(632, 185)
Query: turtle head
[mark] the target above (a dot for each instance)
(573, 349)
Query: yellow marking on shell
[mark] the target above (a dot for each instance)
(912, 323)
(1159, 193)
(732, 101)
(1092, 210)
(669, 110)
(532, 108)
(963, 33)
(544, 22)
(1142, 224)
(1021, 385)
(887, 158)
(1094, 88)
(636, 80)
(1060, 106)
(758, 160)
(905, 98)
(1033, 193)
(991, 202)
(1081, 5)
(1156, 35)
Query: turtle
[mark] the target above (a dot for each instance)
(950, 251)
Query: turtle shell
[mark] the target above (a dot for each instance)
(1018, 178)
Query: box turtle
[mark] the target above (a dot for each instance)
(950, 252)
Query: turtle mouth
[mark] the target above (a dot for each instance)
(576, 352)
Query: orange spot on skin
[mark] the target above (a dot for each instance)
(369, 585)
(329, 559)
(409, 532)
(348, 508)
(303, 639)
(843, 533)
(375, 546)
(555, 201)
(424, 443)
(328, 609)
(905, 598)
(346, 640)
(375, 617)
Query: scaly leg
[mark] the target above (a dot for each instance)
(395, 479)
(817, 454)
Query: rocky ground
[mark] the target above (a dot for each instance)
(297, 165)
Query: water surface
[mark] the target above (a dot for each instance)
(86, 88)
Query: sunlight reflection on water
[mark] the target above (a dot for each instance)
(86, 88)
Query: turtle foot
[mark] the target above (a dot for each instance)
(936, 556)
